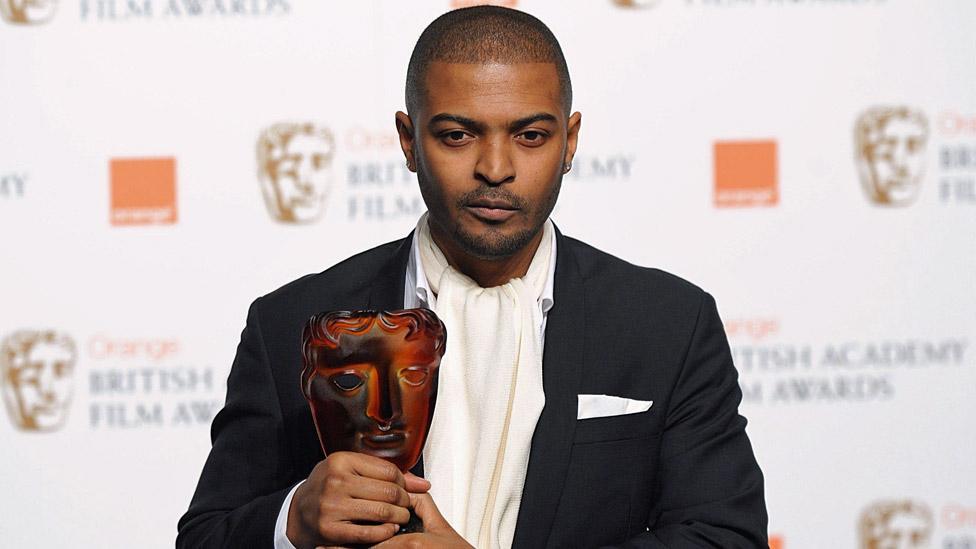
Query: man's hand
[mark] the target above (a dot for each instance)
(437, 532)
(348, 499)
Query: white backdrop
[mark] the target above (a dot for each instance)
(718, 142)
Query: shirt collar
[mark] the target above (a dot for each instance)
(417, 292)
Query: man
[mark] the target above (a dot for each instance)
(583, 401)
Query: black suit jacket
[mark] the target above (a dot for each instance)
(681, 474)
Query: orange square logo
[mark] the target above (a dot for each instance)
(143, 191)
(745, 174)
(776, 542)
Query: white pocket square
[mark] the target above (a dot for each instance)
(590, 406)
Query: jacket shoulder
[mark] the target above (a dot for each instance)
(351, 276)
(610, 274)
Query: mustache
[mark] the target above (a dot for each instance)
(489, 193)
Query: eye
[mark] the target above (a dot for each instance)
(414, 376)
(531, 138)
(456, 138)
(347, 382)
(30, 375)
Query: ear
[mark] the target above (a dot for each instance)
(572, 136)
(405, 130)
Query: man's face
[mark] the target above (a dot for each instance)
(298, 173)
(38, 382)
(489, 143)
(893, 153)
(375, 394)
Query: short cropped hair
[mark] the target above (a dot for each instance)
(485, 34)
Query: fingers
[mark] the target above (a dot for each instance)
(349, 499)
(415, 484)
(372, 467)
(364, 535)
(381, 491)
(405, 540)
(428, 512)
(363, 510)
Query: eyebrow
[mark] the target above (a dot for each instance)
(480, 127)
(531, 119)
(463, 121)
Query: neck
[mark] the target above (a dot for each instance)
(488, 272)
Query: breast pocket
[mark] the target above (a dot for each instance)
(622, 427)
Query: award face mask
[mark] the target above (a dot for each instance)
(370, 378)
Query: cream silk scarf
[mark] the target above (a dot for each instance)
(490, 393)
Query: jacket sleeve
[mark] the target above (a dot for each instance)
(245, 478)
(710, 490)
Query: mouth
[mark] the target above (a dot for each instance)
(491, 210)
(381, 440)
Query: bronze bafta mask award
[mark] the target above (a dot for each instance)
(370, 378)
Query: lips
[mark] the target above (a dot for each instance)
(492, 203)
(384, 439)
(492, 210)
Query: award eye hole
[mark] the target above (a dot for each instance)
(414, 377)
(347, 382)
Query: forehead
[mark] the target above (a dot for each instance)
(907, 521)
(492, 90)
(49, 352)
(377, 343)
(308, 141)
(903, 126)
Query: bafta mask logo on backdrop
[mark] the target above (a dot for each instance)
(745, 174)
(890, 147)
(901, 524)
(637, 3)
(28, 12)
(37, 369)
(295, 170)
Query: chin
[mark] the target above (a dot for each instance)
(493, 243)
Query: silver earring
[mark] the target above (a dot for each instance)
(567, 166)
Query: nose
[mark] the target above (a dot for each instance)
(495, 165)
(45, 383)
(384, 400)
(303, 176)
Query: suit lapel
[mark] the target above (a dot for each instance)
(386, 291)
(552, 441)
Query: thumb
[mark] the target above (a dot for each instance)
(428, 512)
(415, 484)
